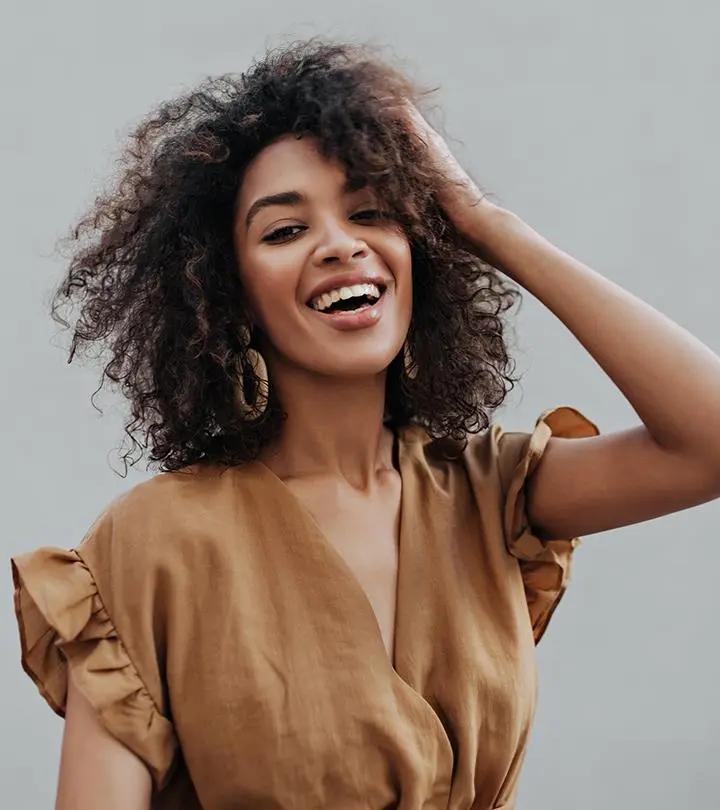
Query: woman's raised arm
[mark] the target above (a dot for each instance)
(669, 462)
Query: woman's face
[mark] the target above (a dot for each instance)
(329, 280)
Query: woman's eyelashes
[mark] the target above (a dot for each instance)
(283, 234)
(371, 214)
(286, 233)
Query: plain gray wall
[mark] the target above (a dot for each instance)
(598, 122)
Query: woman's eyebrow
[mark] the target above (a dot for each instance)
(292, 198)
(282, 198)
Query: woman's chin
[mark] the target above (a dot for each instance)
(355, 369)
(345, 356)
(351, 365)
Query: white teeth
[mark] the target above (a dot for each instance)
(322, 302)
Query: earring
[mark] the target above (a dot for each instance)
(409, 365)
(253, 392)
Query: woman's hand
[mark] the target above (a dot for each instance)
(463, 200)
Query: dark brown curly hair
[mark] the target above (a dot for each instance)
(153, 279)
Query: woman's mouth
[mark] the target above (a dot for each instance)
(353, 307)
(347, 299)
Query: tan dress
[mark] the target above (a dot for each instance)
(221, 637)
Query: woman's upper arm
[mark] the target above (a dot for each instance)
(589, 485)
(95, 769)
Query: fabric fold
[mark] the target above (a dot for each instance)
(545, 564)
(65, 628)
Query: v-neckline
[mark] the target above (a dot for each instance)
(392, 658)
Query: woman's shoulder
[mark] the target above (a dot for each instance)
(177, 496)
(495, 443)
(493, 462)
(492, 468)
(154, 522)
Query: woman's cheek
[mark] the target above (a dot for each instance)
(275, 289)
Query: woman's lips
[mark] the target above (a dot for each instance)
(361, 318)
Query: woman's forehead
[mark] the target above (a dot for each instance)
(293, 163)
(288, 156)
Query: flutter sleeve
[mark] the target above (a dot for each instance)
(62, 603)
(545, 564)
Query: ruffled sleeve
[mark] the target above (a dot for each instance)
(64, 627)
(545, 564)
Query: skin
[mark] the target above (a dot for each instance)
(331, 383)
(95, 769)
(334, 453)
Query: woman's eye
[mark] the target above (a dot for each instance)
(370, 214)
(283, 234)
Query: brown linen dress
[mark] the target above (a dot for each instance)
(220, 636)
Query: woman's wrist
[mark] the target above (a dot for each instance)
(491, 232)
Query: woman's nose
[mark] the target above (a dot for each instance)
(339, 247)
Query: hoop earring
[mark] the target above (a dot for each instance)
(410, 367)
(254, 388)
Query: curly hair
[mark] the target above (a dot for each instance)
(153, 277)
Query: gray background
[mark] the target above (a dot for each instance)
(597, 122)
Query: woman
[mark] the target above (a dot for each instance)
(331, 595)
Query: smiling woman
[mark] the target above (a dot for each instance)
(203, 174)
(330, 597)
(311, 258)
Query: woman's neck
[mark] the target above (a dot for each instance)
(334, 427)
